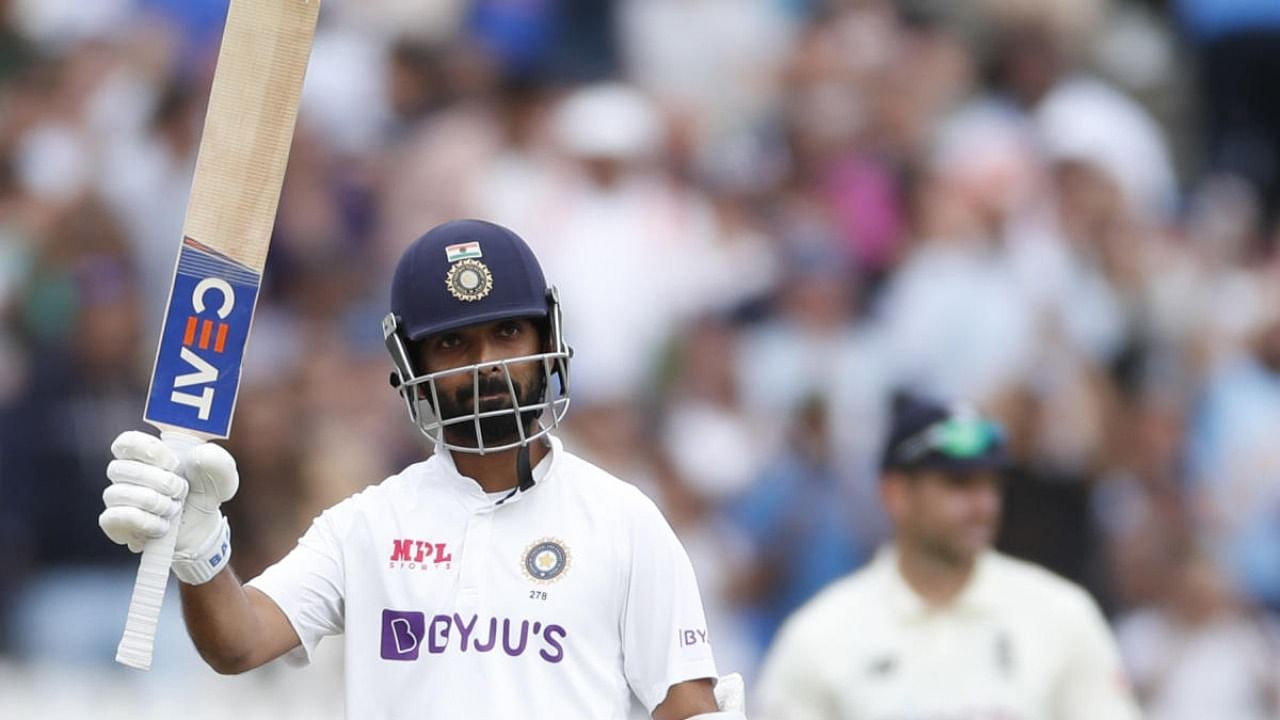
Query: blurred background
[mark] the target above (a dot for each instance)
(764, 216)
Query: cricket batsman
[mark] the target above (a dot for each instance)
(501, 578)
(939, 626)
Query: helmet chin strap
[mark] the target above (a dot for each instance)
(524, 472)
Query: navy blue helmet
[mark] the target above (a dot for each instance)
(463, 273)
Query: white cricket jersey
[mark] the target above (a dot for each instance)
(556, 604)
(1018, 643)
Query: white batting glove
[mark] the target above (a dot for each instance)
(147, 489)
(731, 693)
(731, 698)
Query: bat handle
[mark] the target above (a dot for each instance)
(138, 641)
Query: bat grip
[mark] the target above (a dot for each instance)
(138, 642)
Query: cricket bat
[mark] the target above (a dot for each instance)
(232, 207)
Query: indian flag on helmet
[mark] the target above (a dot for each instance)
(463, 251)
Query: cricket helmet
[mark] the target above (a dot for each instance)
(464, 273)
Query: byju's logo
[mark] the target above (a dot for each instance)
(410, 554)
(402, 634)
(689, 638)
(405, 633)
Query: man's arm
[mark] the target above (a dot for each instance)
(235, 628)
(687, 699)
(667, 657)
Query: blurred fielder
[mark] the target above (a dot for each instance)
(501, 578)
(939, 626)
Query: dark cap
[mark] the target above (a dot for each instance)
(927, 435)
(466, 272)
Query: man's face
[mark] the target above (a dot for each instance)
(950, 516)
(478, 344)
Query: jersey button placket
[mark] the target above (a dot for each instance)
(475, 548)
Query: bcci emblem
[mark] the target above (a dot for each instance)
(469, 280)
(546, 560)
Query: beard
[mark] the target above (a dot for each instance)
(959, 547)
(498, 429)
(944, 552)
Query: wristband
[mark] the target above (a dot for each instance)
(197, 568)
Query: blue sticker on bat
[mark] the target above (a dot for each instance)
(197, 370)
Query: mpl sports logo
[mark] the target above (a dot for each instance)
(411, 554)
(197, 368)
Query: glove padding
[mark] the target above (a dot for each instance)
(731, 698)
(148, 486)
(731, 693)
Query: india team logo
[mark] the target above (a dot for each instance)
(469, 280)
(546, 560)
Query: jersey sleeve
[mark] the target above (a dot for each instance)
(664, 630)
(308, 584)
(790, 685)
(1094, 686)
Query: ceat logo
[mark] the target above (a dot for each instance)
(197, 371)
(412, 554)
(205, 335)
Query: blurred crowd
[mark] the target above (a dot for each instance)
(765, 217)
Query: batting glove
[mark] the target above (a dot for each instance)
(148, 486)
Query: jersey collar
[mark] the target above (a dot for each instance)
(471, 492)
